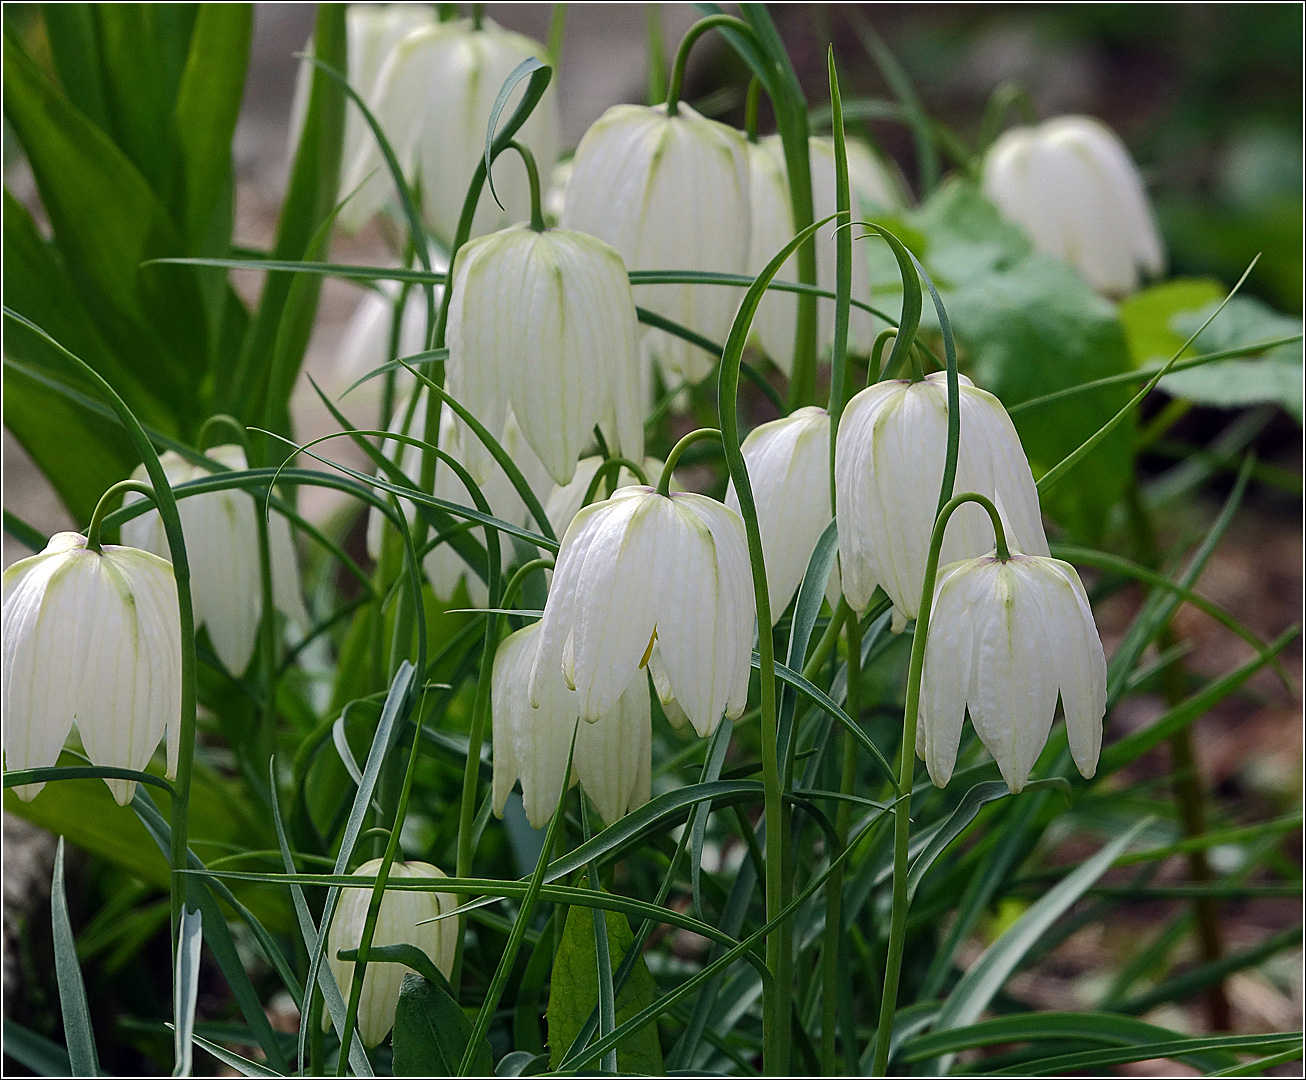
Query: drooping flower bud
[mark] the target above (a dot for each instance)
(543, 323)
(788, 463)
(433, 99)
(889, 459)
(401, 920)
(1006, 637)
(873, 191)
(641, 570)
(1071, 186)
(613, 756)
(95, 637)
(221, 533)
(669, 193)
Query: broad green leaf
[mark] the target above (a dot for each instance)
(573, 992)
(72, 33)
(107, 222)
(431, 1033)
(310, 198)
(35, 1052)
(1275, 377)
(208, 102)
(1030, 326)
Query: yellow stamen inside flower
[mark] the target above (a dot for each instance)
(649, 651)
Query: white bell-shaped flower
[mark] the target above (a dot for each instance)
(221, 533)
(401, 920)
(1072, 187)
(641, 570)
(543, 323)
(433, 100)
(93, 637)
(889, 459)
(443, 566)
(613, 757)
(873, 191)
(565, 500)
(788, 462)
(371, 33)
(1005, 638)
(669, 193)
(365, 343)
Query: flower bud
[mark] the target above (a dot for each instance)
(1071, 186)
(788, 463)
(669, 193)
(1005, 638)
(91, 636)
(613, 755)
(221, 534)
(543, 323)
(401, 920)
(889, 459)
(641, 570)
(433, 100)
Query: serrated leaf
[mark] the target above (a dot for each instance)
(431, 1033)
(574, 992)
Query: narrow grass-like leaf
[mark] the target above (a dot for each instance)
(521, 71)
(1072, 459)
(1094, 1059)
(822, 700)
(397, 703)
(242, 1065)
(1260, 1065)
(977, 988)
(68, 974)
(35, 1052)
(185, 989)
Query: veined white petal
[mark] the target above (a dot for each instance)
(772, 228)
(1076, 653)
(705, 612)
(545, 323)
(788, 468)
(669, 193)
(95, 638)
(400, 921)
(1016, 696)
(433, 98)
(1070, 185)
(613, 754)
(946, 676)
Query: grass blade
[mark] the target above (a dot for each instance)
(68, 973)
(185, 989)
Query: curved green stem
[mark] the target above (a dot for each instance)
(906, 768)
(875, 369)
(664, 481)
(533, 178)
(687, 42)
(519, 578)
(102, 508)
(220, 420)
(751, 103)
(1006, 96)
(478, 16)
(612, 467)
